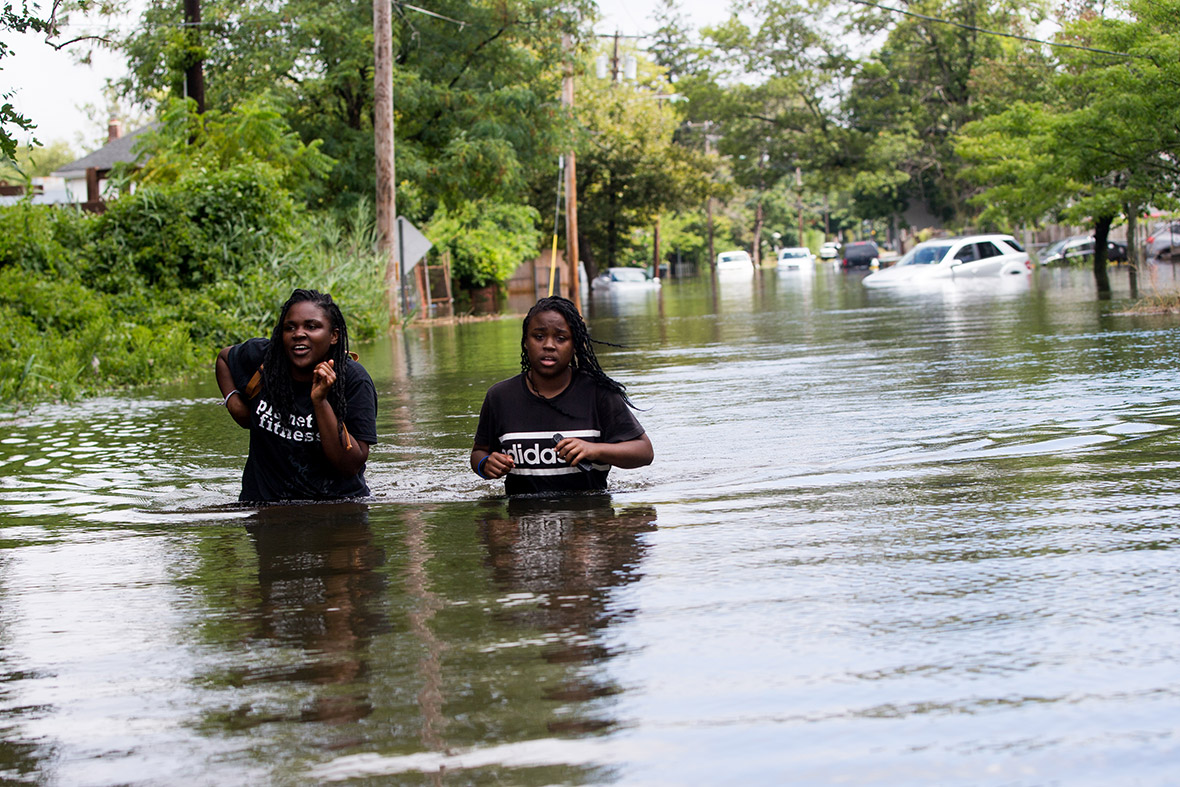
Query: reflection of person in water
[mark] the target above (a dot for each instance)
(317, 580)
(570, 558)
(562, 423)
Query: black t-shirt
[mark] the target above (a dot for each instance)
(517, 422)
(286, 461)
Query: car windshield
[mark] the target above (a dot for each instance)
(790, 253)
(733, 256)
(925, 254)
(627, 274)
(1055, 248)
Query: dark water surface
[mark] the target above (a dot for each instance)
(924, 539)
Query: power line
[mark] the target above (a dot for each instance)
(965, 26)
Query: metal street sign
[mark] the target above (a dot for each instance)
(412, 245)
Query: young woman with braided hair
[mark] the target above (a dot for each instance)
(311, 408)
(562, 423)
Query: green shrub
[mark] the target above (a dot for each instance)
(192, 232)
(42, 238)
(487, 241)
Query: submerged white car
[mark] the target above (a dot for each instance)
(970, 257)
(624, 280)
(795, 259)
(736, 262)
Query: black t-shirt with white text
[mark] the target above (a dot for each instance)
(286, 460)
(517, 422)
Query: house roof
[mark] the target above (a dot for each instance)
(107, 156)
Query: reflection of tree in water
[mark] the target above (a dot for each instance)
(569, 554)
(318, 592)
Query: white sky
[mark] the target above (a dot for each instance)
(52, 90)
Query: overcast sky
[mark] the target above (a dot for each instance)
(51, 89)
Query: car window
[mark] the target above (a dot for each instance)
(986, 249)
(966, 254)
(628, 274)
(1013, 243)
(1054, 248)
(924, 255)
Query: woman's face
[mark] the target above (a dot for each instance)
(548, 344)
(308, 337)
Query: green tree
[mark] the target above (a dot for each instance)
(476, 86)
(12, 122)
(1107, 145)
(487, 240)
(939, 68)
(254, 134)
(631, 169)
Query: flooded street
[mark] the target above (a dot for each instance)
(888, 539)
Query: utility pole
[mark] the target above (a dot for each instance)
(655, 252)
(194, 75)
(383, 139)
(799, 202)
(571, 185)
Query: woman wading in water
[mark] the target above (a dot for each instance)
(309, 405)
(562, 423)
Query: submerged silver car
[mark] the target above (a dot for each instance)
(1164, 240)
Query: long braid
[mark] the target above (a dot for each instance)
(584, 359)
(276, 369)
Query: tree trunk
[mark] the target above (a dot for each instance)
(1101, 234)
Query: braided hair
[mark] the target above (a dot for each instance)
(276, 369)
(584, 359)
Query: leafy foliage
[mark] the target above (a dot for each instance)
(1104, 143)
(487, 240)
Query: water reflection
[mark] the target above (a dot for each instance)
(566, 557)
(316, 609)
(536, 627)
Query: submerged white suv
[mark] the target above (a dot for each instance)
(968, 257)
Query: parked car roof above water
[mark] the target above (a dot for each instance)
(859, 254)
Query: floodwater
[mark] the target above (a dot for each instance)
(888, 539)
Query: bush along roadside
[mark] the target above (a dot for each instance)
(148, 292)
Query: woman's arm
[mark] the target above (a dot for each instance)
(235, 401)
(628, 454)
(345, 453)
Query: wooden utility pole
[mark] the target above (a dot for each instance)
(799, 202)
(383, 139)
(655, 251)
(194, 75)
(571, 185)
(709, 204)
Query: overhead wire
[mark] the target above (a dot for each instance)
(1001, 34)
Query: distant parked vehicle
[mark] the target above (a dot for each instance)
(798, 258)
(735, 262)
(1163, 243)
(1080, 249)
(624, 279)
(972, 257)
(861, 254)
(829, 251)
